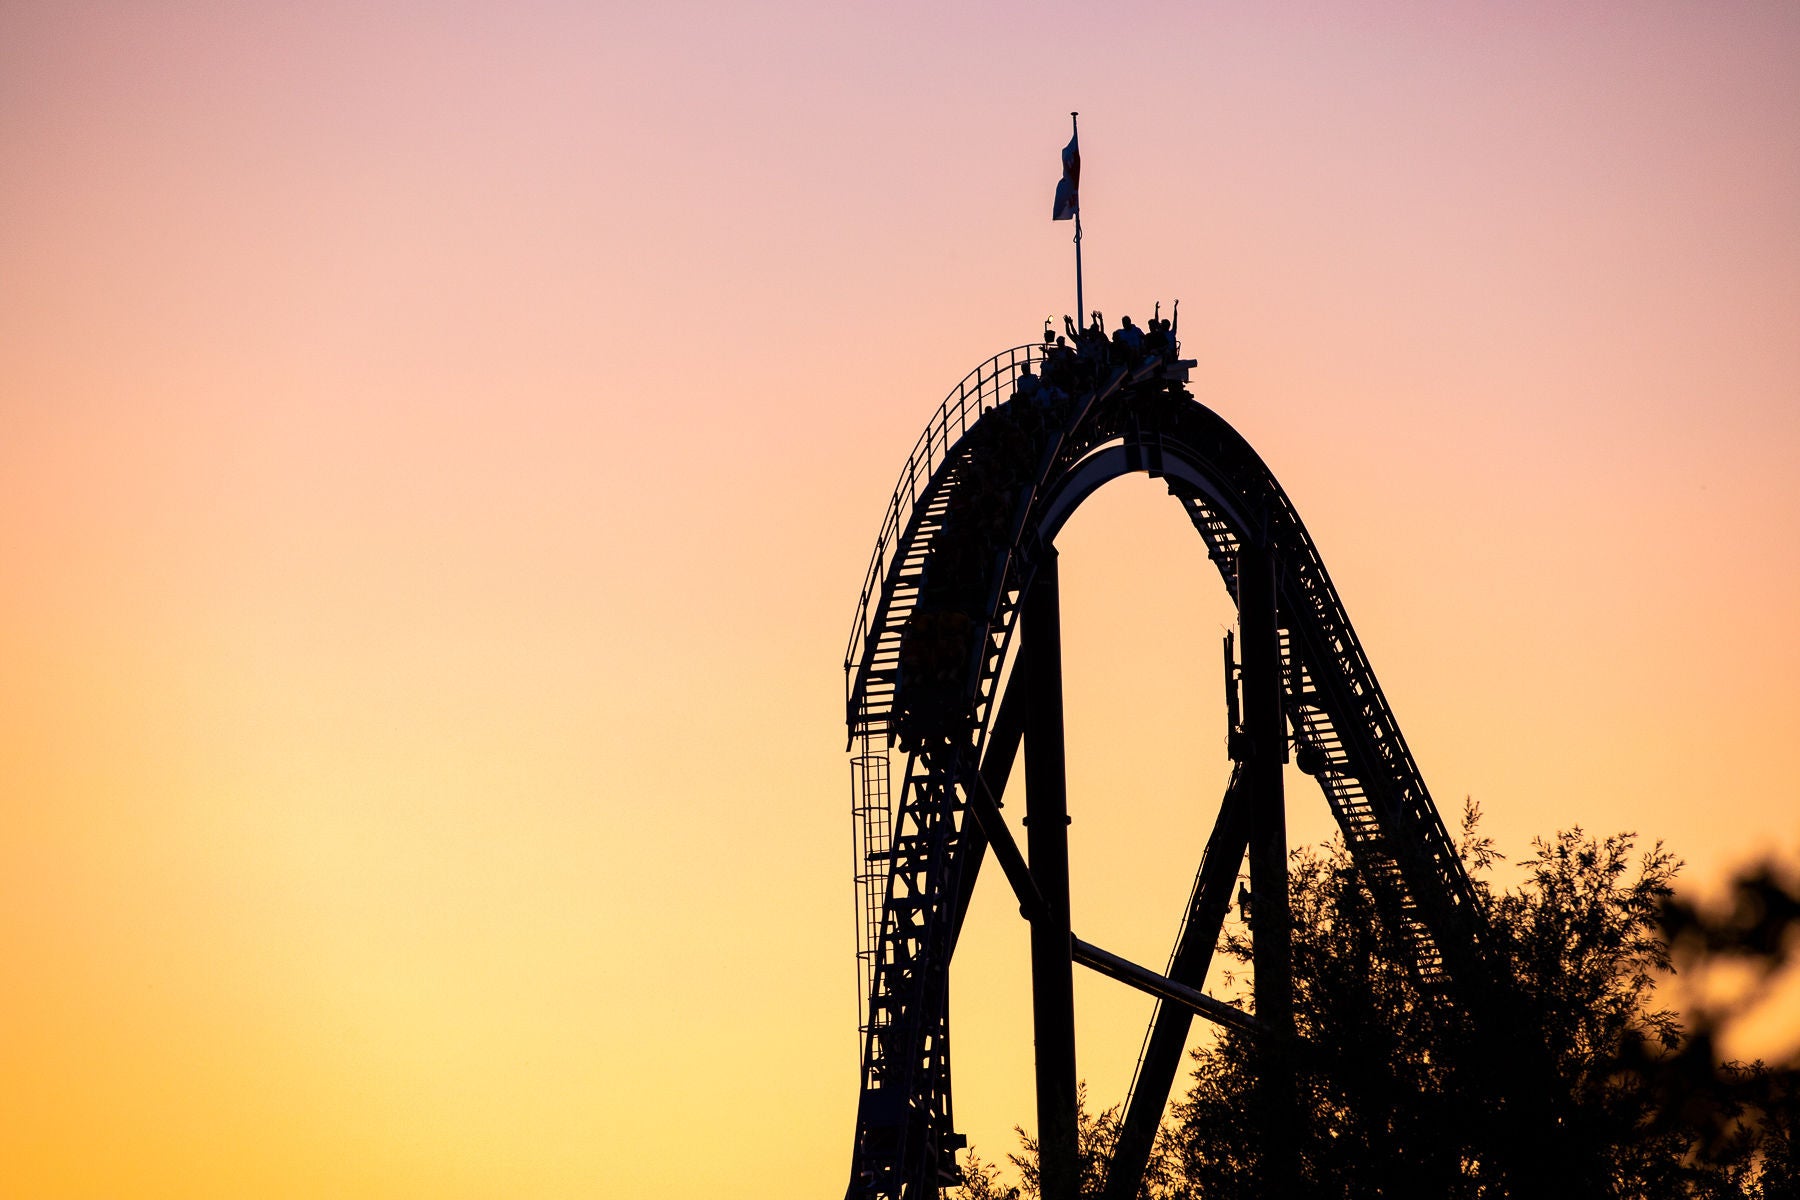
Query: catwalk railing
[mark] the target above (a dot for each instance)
(874, 640)
(910, 854)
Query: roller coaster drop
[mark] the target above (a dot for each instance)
(963, 566)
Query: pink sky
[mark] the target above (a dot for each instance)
(443, 443)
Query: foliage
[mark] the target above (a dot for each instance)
(1096, 1135)
(1742, 1115)
(1581, 1083)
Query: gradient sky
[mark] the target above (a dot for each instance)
(441, 444)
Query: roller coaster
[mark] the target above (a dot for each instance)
(954, 660)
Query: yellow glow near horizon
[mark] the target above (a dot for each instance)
(442, 445)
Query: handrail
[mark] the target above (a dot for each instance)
(960, 409)
(1431, 895)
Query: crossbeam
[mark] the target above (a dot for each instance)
(996, 765)
(986, 810)
(1164, 988)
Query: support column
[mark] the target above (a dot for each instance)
(1267, 734)
(1271, 945)
(1047, 844)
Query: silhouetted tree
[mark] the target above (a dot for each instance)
(1743, 1118)
(1402, 1096)
(1096, 1135)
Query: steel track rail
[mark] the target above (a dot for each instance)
(905, 1143)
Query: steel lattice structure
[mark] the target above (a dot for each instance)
(964, 562)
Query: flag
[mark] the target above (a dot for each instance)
(1067, 188)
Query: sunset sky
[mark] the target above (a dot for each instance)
(440, 447)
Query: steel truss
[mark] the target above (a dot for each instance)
(1303, 678)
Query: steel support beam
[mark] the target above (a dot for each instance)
(1270, 931)
(986, 811)
(996, 767)
(1047, 840)
(1191, 1000)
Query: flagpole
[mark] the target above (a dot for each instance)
(1080, 309)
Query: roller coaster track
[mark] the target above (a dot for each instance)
(988, 486)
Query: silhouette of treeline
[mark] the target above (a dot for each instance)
(1397, 1097)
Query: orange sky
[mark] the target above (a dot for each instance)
(442, 444)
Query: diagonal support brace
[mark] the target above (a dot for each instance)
(1163, 988)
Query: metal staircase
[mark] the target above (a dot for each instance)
(1334, 704)
(910, 849)
(914, 515)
